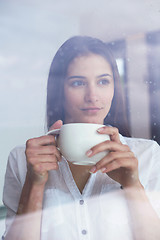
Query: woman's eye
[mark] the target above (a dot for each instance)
(77, 83)
(104, 82)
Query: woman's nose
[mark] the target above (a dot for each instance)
(91, 95)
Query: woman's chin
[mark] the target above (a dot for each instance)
(95, 121)
(86, 120)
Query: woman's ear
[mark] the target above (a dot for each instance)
(58, 124)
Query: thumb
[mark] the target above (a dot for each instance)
(58, 124)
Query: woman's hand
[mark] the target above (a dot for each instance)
(42, 156)
(120, 163)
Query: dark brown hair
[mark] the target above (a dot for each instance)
(72, 48)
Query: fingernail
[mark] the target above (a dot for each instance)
(93, 169)
(100, 129)
(89, 152)
(103, 169)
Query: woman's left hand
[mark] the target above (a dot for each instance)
(120, 164)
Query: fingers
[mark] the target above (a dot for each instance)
(111, 131)
(116, 160)
(119, 163)
(42, 150)
(41, 141)
(107, 146)
(42, 155)
(56, 125)
(118, 152)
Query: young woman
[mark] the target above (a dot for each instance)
(107, 201)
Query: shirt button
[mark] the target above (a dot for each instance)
(84, 232)
(81, 202)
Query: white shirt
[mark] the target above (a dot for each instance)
(100, 212)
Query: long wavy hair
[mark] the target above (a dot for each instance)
(71, 49)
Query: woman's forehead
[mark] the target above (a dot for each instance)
(89, 62)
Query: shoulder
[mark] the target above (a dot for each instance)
(18, 150)
(14, 178)
(140, 145)
(17, 155)
(148, 153)
(17, 164)
(139, 140)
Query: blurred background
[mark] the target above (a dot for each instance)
(30, 34)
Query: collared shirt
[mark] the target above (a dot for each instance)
(99, 212)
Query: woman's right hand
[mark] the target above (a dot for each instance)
(42, 156)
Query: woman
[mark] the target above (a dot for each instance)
(83, 86)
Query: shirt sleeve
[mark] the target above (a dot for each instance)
(153, 183)
(148, 155)
(153, 186)
(13, 184)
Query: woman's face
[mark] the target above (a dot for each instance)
(88, 90)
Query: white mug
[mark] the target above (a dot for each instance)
(75, 139)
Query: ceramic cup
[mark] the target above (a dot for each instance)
(75, 139)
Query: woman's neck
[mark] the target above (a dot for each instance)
(80, 174)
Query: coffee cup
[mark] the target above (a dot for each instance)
(75, 139)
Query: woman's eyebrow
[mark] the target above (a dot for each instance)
(82, 77)
(76, 76)
(105, 75)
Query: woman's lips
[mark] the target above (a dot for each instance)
(92, 110)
